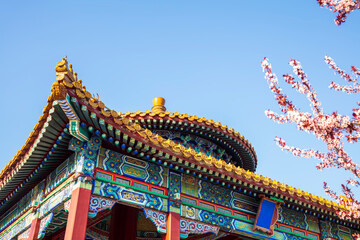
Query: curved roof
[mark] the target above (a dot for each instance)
(237, 146)
(32, 161)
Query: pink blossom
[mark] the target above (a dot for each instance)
(342, 7)
(333, 129)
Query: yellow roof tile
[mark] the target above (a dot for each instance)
(69, 81)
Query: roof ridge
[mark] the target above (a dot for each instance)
(156, 139)
(67, 79)
(192, 118)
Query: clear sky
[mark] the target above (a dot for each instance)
(203, 57)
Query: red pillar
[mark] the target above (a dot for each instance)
(34, 229)
(78, 214)
(123, 224)
(172, 227)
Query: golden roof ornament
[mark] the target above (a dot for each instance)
(58, 89)
(158, 105)
(62, 66)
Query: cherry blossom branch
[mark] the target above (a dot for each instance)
(350, 79)
(273, 82)
(350, 205)
(342, 7)
(333, 129)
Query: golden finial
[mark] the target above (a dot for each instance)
(62, 65)
(75, 76)
(159, 105)
(70, 68)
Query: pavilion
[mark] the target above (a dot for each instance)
(90, 172)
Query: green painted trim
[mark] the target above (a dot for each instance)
(183, 235)
(85, 185)
(131, 187)
(15, 223)
(242, 210)
(77, 131)
(220, 213)
(65, 183)
(42, 233)
(277, 199)
(296, 234)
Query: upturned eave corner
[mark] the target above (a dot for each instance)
(64, 78)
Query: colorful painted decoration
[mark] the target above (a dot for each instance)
(24, 235)
(190, 212)
(214, 194)
(298, 219)
(74, 122)
(183, 194)
(67, 205)
(44, 223)
(120, 193)
(199, 144)
(17, 228)
(19, 208)
(131, 167)
(87, 154)
(174, 188)
(158, 218)
(56, 200)
(188, 226)
(246, 229)
(58, 222)
(98, 204)
(331, 230)
(62, 172)
(215, 219)
(67, 108)
(76, 145)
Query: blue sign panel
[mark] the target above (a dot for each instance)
(267, 216)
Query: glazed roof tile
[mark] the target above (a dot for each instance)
(230, 133)
(67, 80)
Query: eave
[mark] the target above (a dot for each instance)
(220, 134)
(117, 129)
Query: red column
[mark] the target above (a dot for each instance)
(34, 229)
(173, 227)
(78, 214)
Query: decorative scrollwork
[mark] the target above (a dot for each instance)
(188, 226)
(158, 218)
(97, 204)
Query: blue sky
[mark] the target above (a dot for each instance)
(203, 57)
